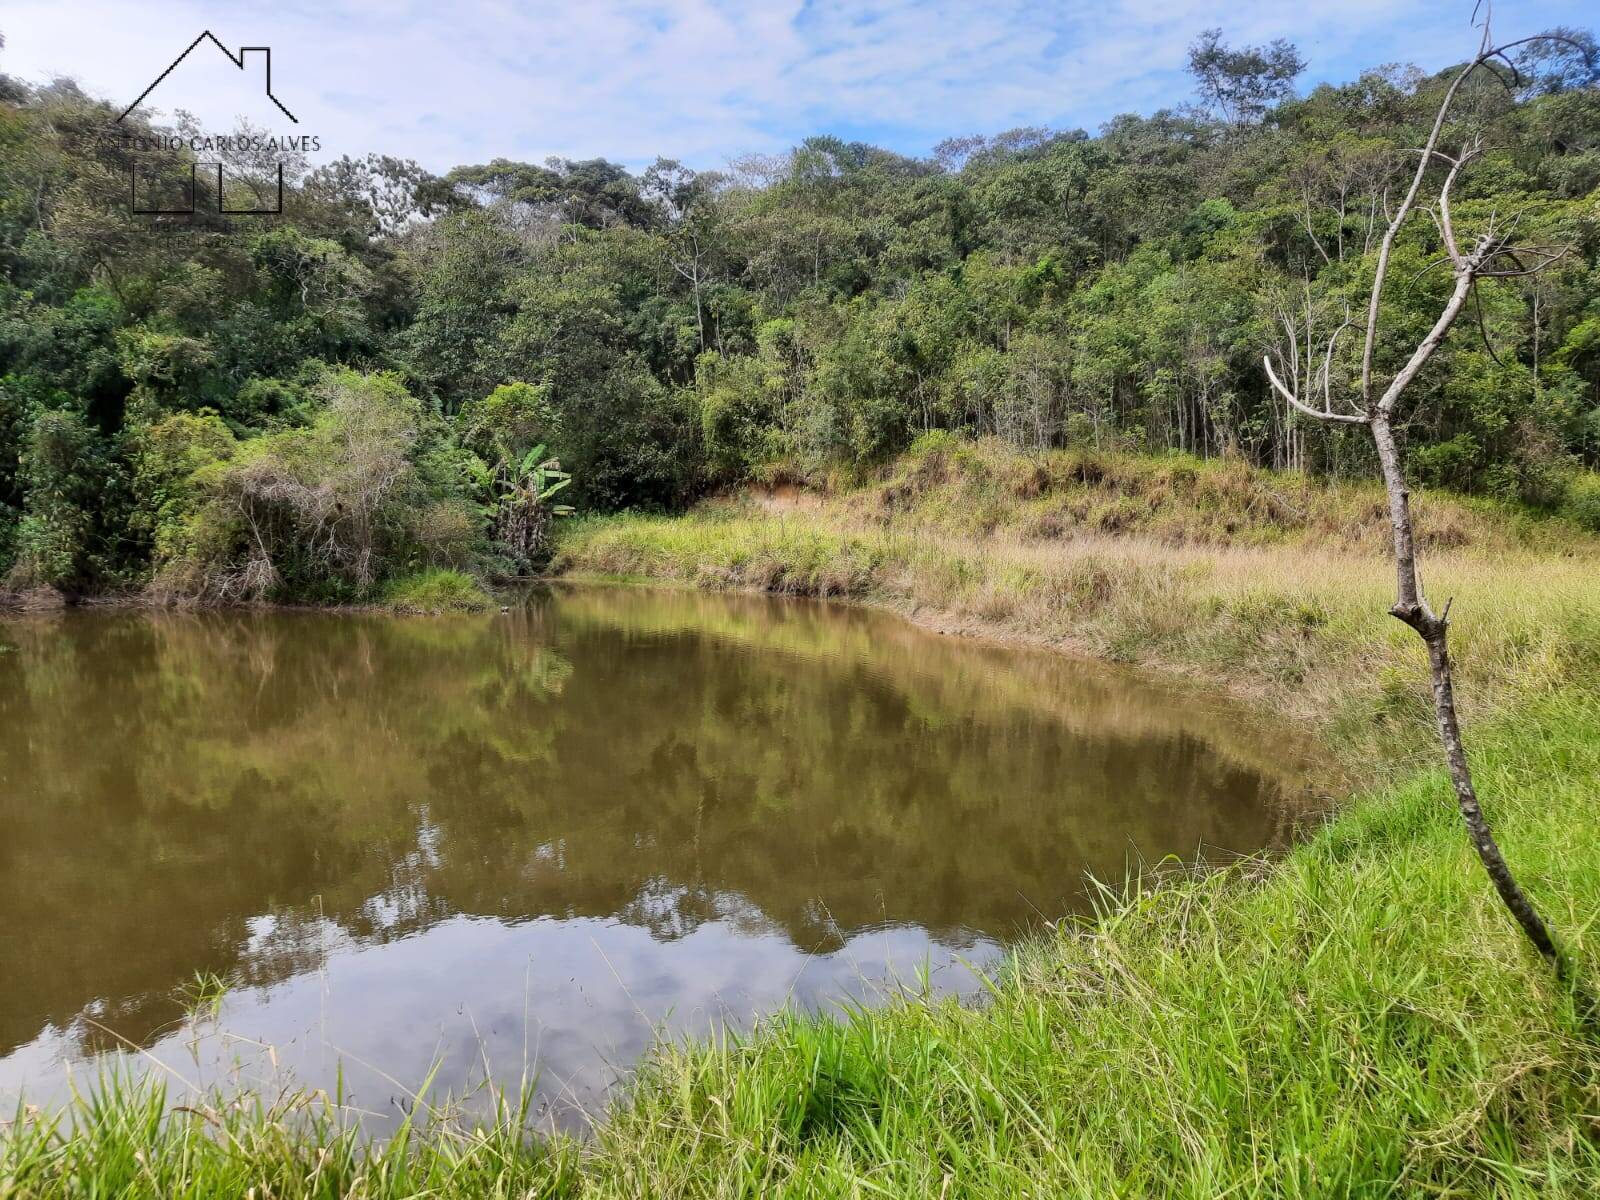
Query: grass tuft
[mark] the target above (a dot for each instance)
(130, 1138)
(437, 590)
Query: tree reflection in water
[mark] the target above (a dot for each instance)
(371, 825)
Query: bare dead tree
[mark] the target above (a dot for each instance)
(1491, 253)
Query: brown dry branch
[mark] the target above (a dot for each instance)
(1491, 252)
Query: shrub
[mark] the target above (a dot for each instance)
(1453, 464)
(165, 456)
(1582, 503)
(61, 468)
(735, 417)
(323, 512)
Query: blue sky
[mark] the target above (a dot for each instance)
(706, 81)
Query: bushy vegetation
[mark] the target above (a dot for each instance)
(326, 507)
(671, 332)
(436, 590)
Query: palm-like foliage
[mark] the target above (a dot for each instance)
(523, 515)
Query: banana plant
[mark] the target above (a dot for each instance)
(543, 477)
(524, 512)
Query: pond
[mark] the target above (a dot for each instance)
(534, 841)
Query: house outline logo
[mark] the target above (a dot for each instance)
(238, 60)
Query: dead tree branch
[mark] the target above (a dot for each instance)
(1470, 259)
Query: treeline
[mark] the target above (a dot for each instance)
(315, 404)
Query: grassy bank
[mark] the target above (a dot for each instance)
(1271, 585)
(1359, 1018)
(437, 590)
(1363, 1022)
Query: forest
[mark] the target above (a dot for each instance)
(399, 373)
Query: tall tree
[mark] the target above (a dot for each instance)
(1241, 85)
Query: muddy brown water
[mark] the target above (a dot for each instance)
(531, 843)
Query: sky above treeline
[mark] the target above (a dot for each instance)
(702, 81)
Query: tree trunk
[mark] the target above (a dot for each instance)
(1435, 633)
(1412, 608)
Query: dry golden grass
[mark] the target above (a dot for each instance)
(1285, 610)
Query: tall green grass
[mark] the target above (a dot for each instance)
(436, 590)
(128, 1137)
(1361, 1020)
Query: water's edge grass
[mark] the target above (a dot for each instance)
(1355, 1018)
(1270, 586)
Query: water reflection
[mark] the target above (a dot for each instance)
(528, 839)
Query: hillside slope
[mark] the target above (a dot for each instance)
(1273, 585)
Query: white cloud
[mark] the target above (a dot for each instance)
(703, 80)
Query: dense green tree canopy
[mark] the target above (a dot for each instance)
(675, 331)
